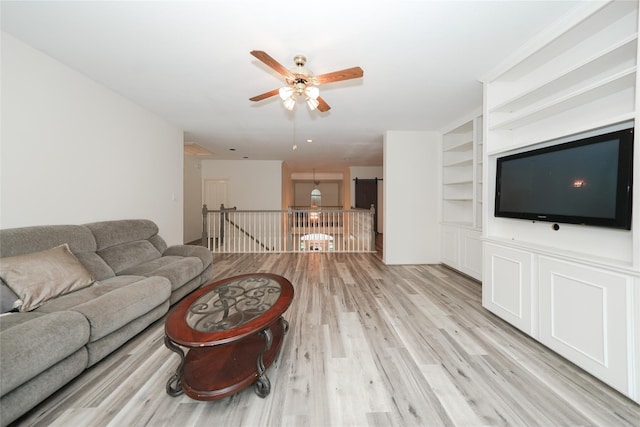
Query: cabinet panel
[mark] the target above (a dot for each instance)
(450, 246)
(507, 285)
(471, 253)
(584, 316)
(462, 250)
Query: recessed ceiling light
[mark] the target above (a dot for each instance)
(309, 140)
(232, 149)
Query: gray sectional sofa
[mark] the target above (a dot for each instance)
(72, 294)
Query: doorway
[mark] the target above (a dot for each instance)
(367, 195)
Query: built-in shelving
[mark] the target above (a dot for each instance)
(578, 78)
(462, 196)
(460, 160)
(611, 60)
(581, 77)
(478, 156)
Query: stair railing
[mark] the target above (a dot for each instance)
(228, 230)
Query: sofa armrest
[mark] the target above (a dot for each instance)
(191, 251)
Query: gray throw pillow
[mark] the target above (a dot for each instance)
(40, 276)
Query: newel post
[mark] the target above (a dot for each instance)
(205, 211)
(372, 216)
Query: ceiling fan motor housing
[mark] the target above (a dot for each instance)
(301, 76)
(300, 60)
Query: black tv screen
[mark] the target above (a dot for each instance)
(586, 181)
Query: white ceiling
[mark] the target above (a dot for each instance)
(189, 63)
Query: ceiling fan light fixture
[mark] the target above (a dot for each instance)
(289, 103)
(312, 103)
(312, 92)
(285, 92)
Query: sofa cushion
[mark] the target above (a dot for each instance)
(179, 270)
(112, 303)
(98, 268)
(99, 349)
(8, 299)
(18, 241)
(28, 395)
(113, 233)
(158, 242)
(126, 255)
(201, 252)
(40, 276)
(33, 342)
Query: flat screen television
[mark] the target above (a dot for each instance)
(586, 181)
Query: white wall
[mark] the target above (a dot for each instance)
(369, 172)
(330, 193)
(251, 184)
(73, 151)
(192, 199)
(411, 189)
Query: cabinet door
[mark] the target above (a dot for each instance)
(471, 253)
(585, 317)
(450, 246)
(507, 286)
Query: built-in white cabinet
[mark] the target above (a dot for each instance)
(585, 316)
(462, 250)
(574, 288)
(462, 197)
(582, 311)
(508, 286)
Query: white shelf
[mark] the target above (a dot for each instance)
(619, 56)
(458, 162)
(599, 27)
(457, 158)
(462, 181)
(507, 140)
(584, 95)
(465, 145)
(461, 161)
(460, 224)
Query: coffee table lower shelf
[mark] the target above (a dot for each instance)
(215, 372)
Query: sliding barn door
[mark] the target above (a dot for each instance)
(367, 195)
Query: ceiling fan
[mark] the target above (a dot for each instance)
(301, 82)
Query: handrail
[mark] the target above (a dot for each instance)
(249, 235)
(228, 230)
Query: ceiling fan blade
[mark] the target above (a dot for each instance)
(322, 105)
(336, 76)
(268, 60)
(265, 95)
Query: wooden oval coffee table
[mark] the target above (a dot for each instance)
(233, 329)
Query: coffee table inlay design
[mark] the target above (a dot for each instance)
(234, 330)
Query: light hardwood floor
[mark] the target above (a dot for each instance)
(369, 345)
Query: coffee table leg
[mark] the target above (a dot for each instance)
(174, 388)
(263, 385)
